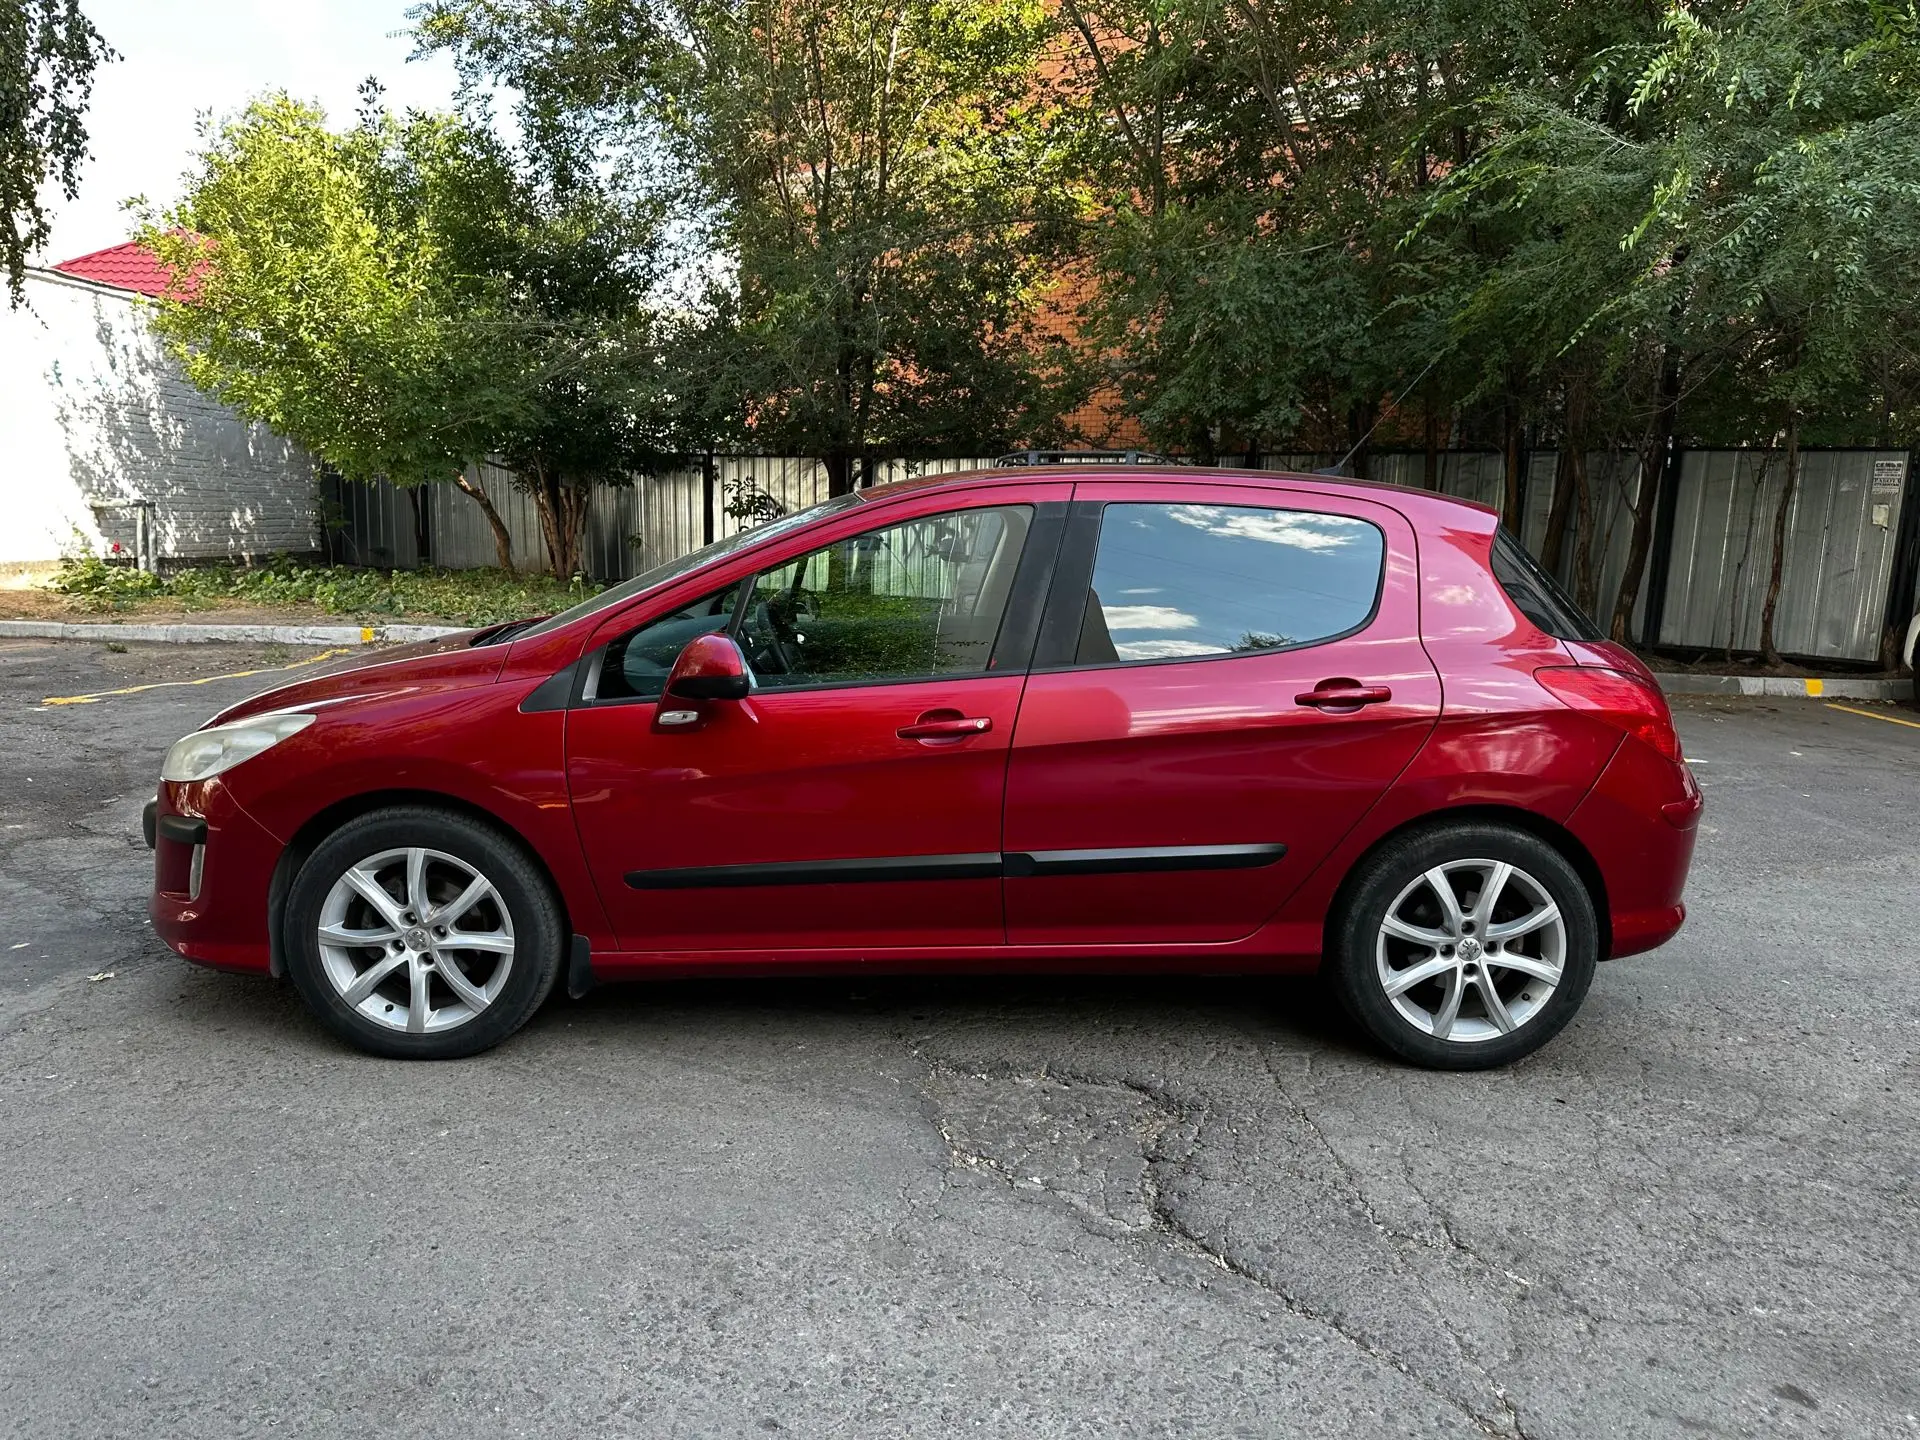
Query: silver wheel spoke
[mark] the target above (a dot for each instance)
(1496, 1007)
(1525, 965)
(1525, 925)
(341, 935)
(1449, 902)
(364, 985)
(494, 942)
(417, 999)
(1490, 893)
(474, 997)
(417, 883)
(465, 901)
(369, 889)
(1415, 934)
(1405, 980)
(1449, 1008)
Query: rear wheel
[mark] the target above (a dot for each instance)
(1465, 946)
(421, 934)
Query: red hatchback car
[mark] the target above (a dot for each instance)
(1136, 719)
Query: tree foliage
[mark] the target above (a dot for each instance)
(48, 53)
(406, 297)
(876, 180)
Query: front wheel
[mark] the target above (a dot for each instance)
(420, 934)
(1465, 946)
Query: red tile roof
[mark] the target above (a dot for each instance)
(125, 267)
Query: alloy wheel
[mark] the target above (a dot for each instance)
(1471, 950)
(416, 940)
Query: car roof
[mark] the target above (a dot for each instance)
(1430, 502)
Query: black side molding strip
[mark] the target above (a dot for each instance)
(1136, 860)
(819, 872)
(1142, 859)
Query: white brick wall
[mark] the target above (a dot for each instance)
(92, 411)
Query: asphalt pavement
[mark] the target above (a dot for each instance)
(1168, 1207)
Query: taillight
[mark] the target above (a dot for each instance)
(1617, 698)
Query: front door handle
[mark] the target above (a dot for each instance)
(945, 725)
(1343, 694)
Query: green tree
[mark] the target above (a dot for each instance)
(409, 296)
(48, 53)
(1261, 167)
(875, 178)
(1728, 205)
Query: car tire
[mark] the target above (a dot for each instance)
(1471, 987)
(421, 934)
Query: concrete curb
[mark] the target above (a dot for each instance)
(243, 634)
(1792, 687)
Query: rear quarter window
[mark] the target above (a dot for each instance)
(1536, 594)
(1184, 582)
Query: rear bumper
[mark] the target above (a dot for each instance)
(212, 866)
(1639, 822)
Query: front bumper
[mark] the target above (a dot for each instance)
(212, 866)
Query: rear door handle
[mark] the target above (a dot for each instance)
(938, 725)
(1343, 695)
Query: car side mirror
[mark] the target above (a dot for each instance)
(710, 668)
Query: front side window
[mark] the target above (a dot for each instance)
(1176, 582)
(923, 598)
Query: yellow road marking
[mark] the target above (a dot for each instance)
(1876, 715)
(1816, 688)
(203, 680)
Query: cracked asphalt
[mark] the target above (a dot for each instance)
(1179, 1207)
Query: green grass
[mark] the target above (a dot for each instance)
(468, 597)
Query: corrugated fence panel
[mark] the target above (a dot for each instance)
(672, 518)
(1838, 560)
(376, 525)
(460, 535)
(1840, 533)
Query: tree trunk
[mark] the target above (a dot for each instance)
(1360, 423)
(1769, 650)
(502, 538)
(839, 473)
(1653, 469)
(1586, 550)
(1510, 500)
(562, 507)
(1430, 473)
(1553, 546)
(1572, 456)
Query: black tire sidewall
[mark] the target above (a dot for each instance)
(1351, 965)
(538, 928)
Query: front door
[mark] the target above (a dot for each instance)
(853, 799)
(1227, 678)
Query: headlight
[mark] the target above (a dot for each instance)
(207, 753)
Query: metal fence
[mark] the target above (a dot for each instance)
(1702, 587)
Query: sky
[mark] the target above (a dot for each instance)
(183, 57)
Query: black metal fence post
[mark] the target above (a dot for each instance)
(707, 485)
(1905, 579)
(1660, 560)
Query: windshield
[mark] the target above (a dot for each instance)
(674, 569)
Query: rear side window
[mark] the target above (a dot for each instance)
(1178, 582)
(1536, 594)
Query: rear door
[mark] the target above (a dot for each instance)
(1227, 678)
